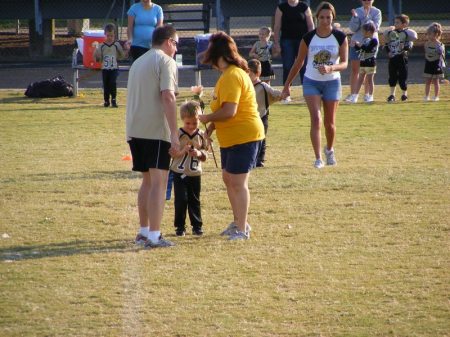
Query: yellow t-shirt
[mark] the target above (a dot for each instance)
(235, 86)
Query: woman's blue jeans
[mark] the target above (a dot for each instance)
(289, 51)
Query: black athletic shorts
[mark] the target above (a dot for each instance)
(149, 153)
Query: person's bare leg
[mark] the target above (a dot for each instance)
(143, 194)
(329, 121)
(239, 195)
(354, 75)
(156, 198)
(314, 103)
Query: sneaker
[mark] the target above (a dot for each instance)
(238, 235)
(197, 231)
(426, 98)
(232, 228)
(180, 232)
(260, 164)
(114, 104)
(391, 99)
(436, 98)
(106, 104)
(331, 160)
(287, 100)
(160, 244)
(140, 240)
(318, 164)
(352, 98)
(404, 97)
(368, 98)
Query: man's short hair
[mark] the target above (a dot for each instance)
(163, 33)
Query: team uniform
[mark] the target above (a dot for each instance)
(109, 54)
(265, 57)
(434, 60)
(356, 23)
(367, 55)
(265, 96)
(323, 51)
(398, 43)
(187, 172)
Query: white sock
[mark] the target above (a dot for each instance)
(153, 236)
(144, 231)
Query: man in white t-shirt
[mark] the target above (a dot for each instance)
(151, 127)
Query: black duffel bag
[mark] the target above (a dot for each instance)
(54, 87)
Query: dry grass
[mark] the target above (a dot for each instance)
(356, 250)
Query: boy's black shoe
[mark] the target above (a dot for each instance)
(197, 231)
(404, 98)
(391, 99)
(180, 232)
(106, 104)
(260, 164)
(114, 104)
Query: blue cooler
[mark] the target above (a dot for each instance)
(201, 44)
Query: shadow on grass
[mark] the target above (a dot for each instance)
(95, 175)
(19, 253)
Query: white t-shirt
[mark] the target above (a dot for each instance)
(323, 50)
(149, 75)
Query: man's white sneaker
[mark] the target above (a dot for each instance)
(331, 160)
(318, 164)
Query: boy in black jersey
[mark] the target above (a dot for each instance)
(108, 53)
(399, 40)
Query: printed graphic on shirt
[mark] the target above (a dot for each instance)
(323, 55)
(397, 41)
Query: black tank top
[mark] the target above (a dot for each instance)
(293, 20)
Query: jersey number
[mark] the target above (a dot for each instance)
(194, 163)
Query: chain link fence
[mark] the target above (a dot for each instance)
(187, 18)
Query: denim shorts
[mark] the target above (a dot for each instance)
(238, 159)
(353, 55)
(329, 90)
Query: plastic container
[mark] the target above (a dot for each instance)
(90, 40)
(201, 44)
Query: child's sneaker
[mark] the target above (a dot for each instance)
(106, 104)
(287, 100)
(318, 164)
(180, 232)
(391, 99)
(114, 104)
(140, 240)
(404, 98)
(161, 243)
(331, 160)
(436, 98)
(197, 231)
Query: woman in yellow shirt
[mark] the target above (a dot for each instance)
(239, 128)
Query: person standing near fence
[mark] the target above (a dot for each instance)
(143, 18)
(361, 15)
(327, 51)
(108, 53)
(293, 19)
(434, 60)
(151, 129)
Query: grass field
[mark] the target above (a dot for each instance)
(361, 249)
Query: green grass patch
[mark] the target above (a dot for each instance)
(361, 249)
